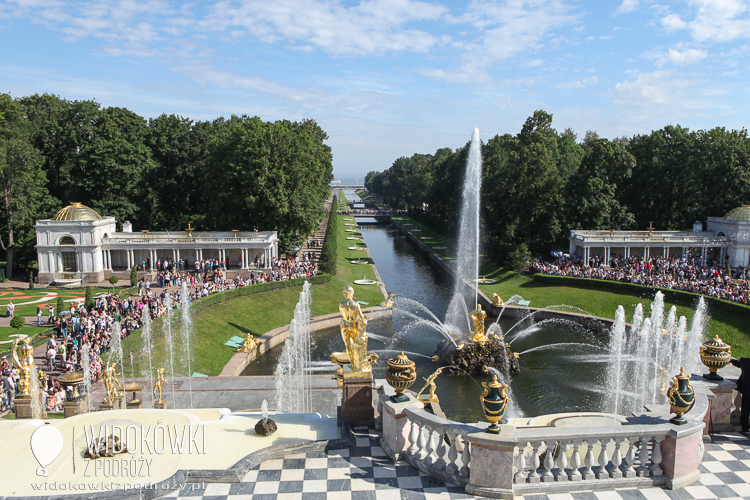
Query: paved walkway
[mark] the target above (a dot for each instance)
(366, 473)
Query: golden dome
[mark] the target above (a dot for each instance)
(740, 213)
(76, 211)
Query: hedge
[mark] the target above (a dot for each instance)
(675, 296)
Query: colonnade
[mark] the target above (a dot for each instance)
(247, 256)
(645, 252)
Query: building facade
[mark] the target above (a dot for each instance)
(725, 240)
(80, 245)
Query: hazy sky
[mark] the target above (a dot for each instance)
(390, 78)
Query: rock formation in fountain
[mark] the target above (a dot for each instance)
(473, 359)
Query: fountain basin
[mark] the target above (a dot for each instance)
(365, 282)
(360, 261)
(356, 248)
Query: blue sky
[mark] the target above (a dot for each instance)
(390, 78)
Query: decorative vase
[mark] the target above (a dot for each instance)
(681, 397)
(715, 354)
(494, 402)
(400, 374)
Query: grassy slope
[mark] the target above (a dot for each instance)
(260, 313)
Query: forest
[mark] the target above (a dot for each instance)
(540, 184)
(161, 173)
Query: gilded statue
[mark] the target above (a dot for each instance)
(109, 378)
(157, 383)
(353, 331)
(477, 320)
(388, 302)
(249, 344)
(498, 302)
(23, 357)
(431, 384)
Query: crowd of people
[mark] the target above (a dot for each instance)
(82, 335)
(674, 273)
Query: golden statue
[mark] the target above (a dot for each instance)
(24, 363)
(109, 377)
(388, 302)
(353, 330)
(498, 302)
(248, 345)
(477, 319)
(431, 384)
(157, 383)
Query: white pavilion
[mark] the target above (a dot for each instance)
(726, 239)
(80, 245)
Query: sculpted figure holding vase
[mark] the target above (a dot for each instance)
(353, 331)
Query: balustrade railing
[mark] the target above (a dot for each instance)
(438, 447)
(630, 454)
(143, 241)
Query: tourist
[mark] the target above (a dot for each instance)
(743, 387)
(10, 308)
(51, 315)
(38, 316)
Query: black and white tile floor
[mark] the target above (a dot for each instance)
(364, 472)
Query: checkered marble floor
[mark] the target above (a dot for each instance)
(364, 472)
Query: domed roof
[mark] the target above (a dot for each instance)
(76, 211)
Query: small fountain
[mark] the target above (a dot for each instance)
(169, 341)
(146, 352)
(293, 380)
(265, 426)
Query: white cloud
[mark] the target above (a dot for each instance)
(713, 20)
(371, 27)
(627, 6)
(578, 84)
(684, 58)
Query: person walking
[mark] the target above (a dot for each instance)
(38, 315)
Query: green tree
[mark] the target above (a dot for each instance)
(88, 300)
(113, 281)
(60, 305)
(134, 276)
(22, 180)
(17, 322)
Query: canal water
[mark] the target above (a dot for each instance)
(554, 377)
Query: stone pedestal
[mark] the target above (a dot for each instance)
(721, 406)
(160, 405)
(73, 408)
(682, 452)
(492, 463)
(134, 404)
(117, 403)
(23, 407)
(396, 426)
(106, 406)
(356, 402)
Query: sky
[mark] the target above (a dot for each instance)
(390, 78)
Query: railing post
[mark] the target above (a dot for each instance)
(614, 467)
(465, 457)
(520, 476)
(656, 457)
(603, 473)
(396, 426)
(549, 462)
(562, 463)
(440, 452)
(628, 470)
(534, 474)
(492, 463)
(451, 467)
(588, 474)
(642, 470)
(575, 462)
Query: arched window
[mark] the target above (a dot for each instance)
(67, 240)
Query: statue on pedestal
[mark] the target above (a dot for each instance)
(157, 383)
(249, 344)
(477, 320)
(110, 383)
(24, 363)
(353, 331)
(431, 384)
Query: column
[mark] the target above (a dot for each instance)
(666, 252)
(197, 255)
(127, 256)
(174, 255)
(201, 252)
(684, 252)
(178, 255)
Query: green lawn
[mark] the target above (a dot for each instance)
(342, 197)
(255, 314)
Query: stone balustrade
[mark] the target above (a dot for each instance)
(646, 450)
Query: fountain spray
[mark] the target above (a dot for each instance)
(187, 332)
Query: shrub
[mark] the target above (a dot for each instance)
(60, 305)
(17, 322)
(133, 276)
(113, 280)
(88, 301)
(519, 257)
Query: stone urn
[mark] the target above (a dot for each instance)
(715, 354)
(400, 374)
(494, 402)
(681, 397)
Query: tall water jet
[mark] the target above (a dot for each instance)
(187, 332)
(37, 396)
(86, 369)
(116, 356)
(657, 340)
(170, 342)
(146, 352)
(616, 368)
(293, 380)
(691, 358)
(467, 257)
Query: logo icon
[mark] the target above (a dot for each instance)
(46, 444)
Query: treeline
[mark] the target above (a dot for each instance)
(229, 173)
(540, 184)
(329, 253)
